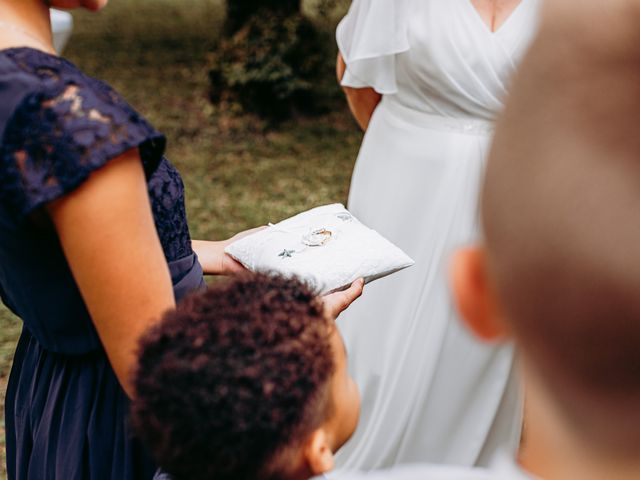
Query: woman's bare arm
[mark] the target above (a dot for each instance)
(362, 101)
(214, 260)
(109, 238)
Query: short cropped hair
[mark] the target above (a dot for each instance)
(234, 379)
(561, 217)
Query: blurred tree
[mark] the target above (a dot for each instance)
(326, 8)
(240, 11)
(272, 58)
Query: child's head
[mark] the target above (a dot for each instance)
(560, 265)
(69, 4)
(246, 380)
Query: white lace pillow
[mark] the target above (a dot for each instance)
(325, 246)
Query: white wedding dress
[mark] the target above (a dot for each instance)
(430, 392)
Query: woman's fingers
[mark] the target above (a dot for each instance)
(338, 302)
(229, 266)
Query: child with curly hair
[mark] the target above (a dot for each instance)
(246, 380)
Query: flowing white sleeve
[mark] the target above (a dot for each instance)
(369, 37)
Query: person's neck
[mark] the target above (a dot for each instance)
(554, 451)
(30, 25)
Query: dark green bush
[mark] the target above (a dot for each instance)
(275, 65)
(240, 11)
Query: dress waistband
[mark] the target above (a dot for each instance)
(471, 126)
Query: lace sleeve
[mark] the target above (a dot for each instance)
(62, 133)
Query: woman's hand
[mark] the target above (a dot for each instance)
(214, 260)
(362, 101)
(338, 302)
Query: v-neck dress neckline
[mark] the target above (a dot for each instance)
(504, 26)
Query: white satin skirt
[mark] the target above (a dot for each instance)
(430, 391)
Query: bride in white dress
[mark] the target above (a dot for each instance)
(430, 392)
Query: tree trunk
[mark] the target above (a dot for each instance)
(239, 11)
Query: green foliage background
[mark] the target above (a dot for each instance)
(276, 59)
(274, 66)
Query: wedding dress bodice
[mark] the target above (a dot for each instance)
(440, 58)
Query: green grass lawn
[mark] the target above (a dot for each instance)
(9, 331)
(237, 174)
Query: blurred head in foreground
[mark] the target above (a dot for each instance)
(246, 380)
(559, 268)
(93, 5)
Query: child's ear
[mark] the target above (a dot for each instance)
(318, 453)
(475, 296)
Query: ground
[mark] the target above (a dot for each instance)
(237, 173)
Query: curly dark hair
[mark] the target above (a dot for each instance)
(231, 382)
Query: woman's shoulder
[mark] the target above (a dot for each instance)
(50, 80)
(60, 126)
(16, 83)
(41, 67)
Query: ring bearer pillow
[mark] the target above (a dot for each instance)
(326, 247)
(369, 37)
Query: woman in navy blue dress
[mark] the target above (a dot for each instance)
(94, 246)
